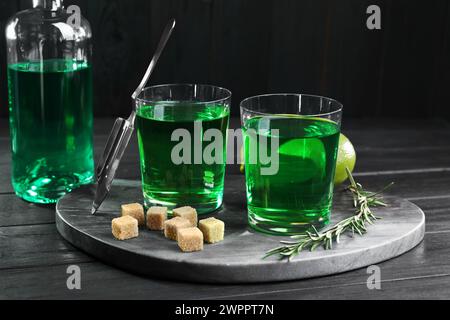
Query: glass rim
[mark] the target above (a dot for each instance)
(228, 94)
(339, 104)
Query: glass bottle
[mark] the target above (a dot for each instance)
(50, 101)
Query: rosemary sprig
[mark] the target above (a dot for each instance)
(358, 223)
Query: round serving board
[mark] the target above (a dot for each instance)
(238, 259)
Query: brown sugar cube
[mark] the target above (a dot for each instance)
(190, 239)
(213, 229)
(134, 210)
(125, 228)
(188, 213)
(156, 216)
(172, 226)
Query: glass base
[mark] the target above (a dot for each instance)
(287, 227)
(49, 189)
(202, 208)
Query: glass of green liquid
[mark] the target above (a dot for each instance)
(291, 144)
(182, 134)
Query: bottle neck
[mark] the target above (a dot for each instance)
(48, 4)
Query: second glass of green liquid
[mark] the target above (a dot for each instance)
(291, 144)
(182, 163)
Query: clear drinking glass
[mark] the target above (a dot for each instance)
(182, 130)
(291, 143)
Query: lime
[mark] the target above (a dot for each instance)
(346, 159)
(309, 155)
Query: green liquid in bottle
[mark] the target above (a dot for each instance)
(300, 194)
(51, 128)
(165, 183)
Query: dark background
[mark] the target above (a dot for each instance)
(262, 46)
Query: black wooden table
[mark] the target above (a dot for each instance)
(413, 153)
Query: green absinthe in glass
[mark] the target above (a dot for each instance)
(173, 185)
(51, 122)
(300, 194)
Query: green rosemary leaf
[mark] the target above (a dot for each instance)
(358, 223)
(315, 245)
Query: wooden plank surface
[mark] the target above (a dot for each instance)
(34, 258)
(260, 46)
(28, 238)
(426, 262)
